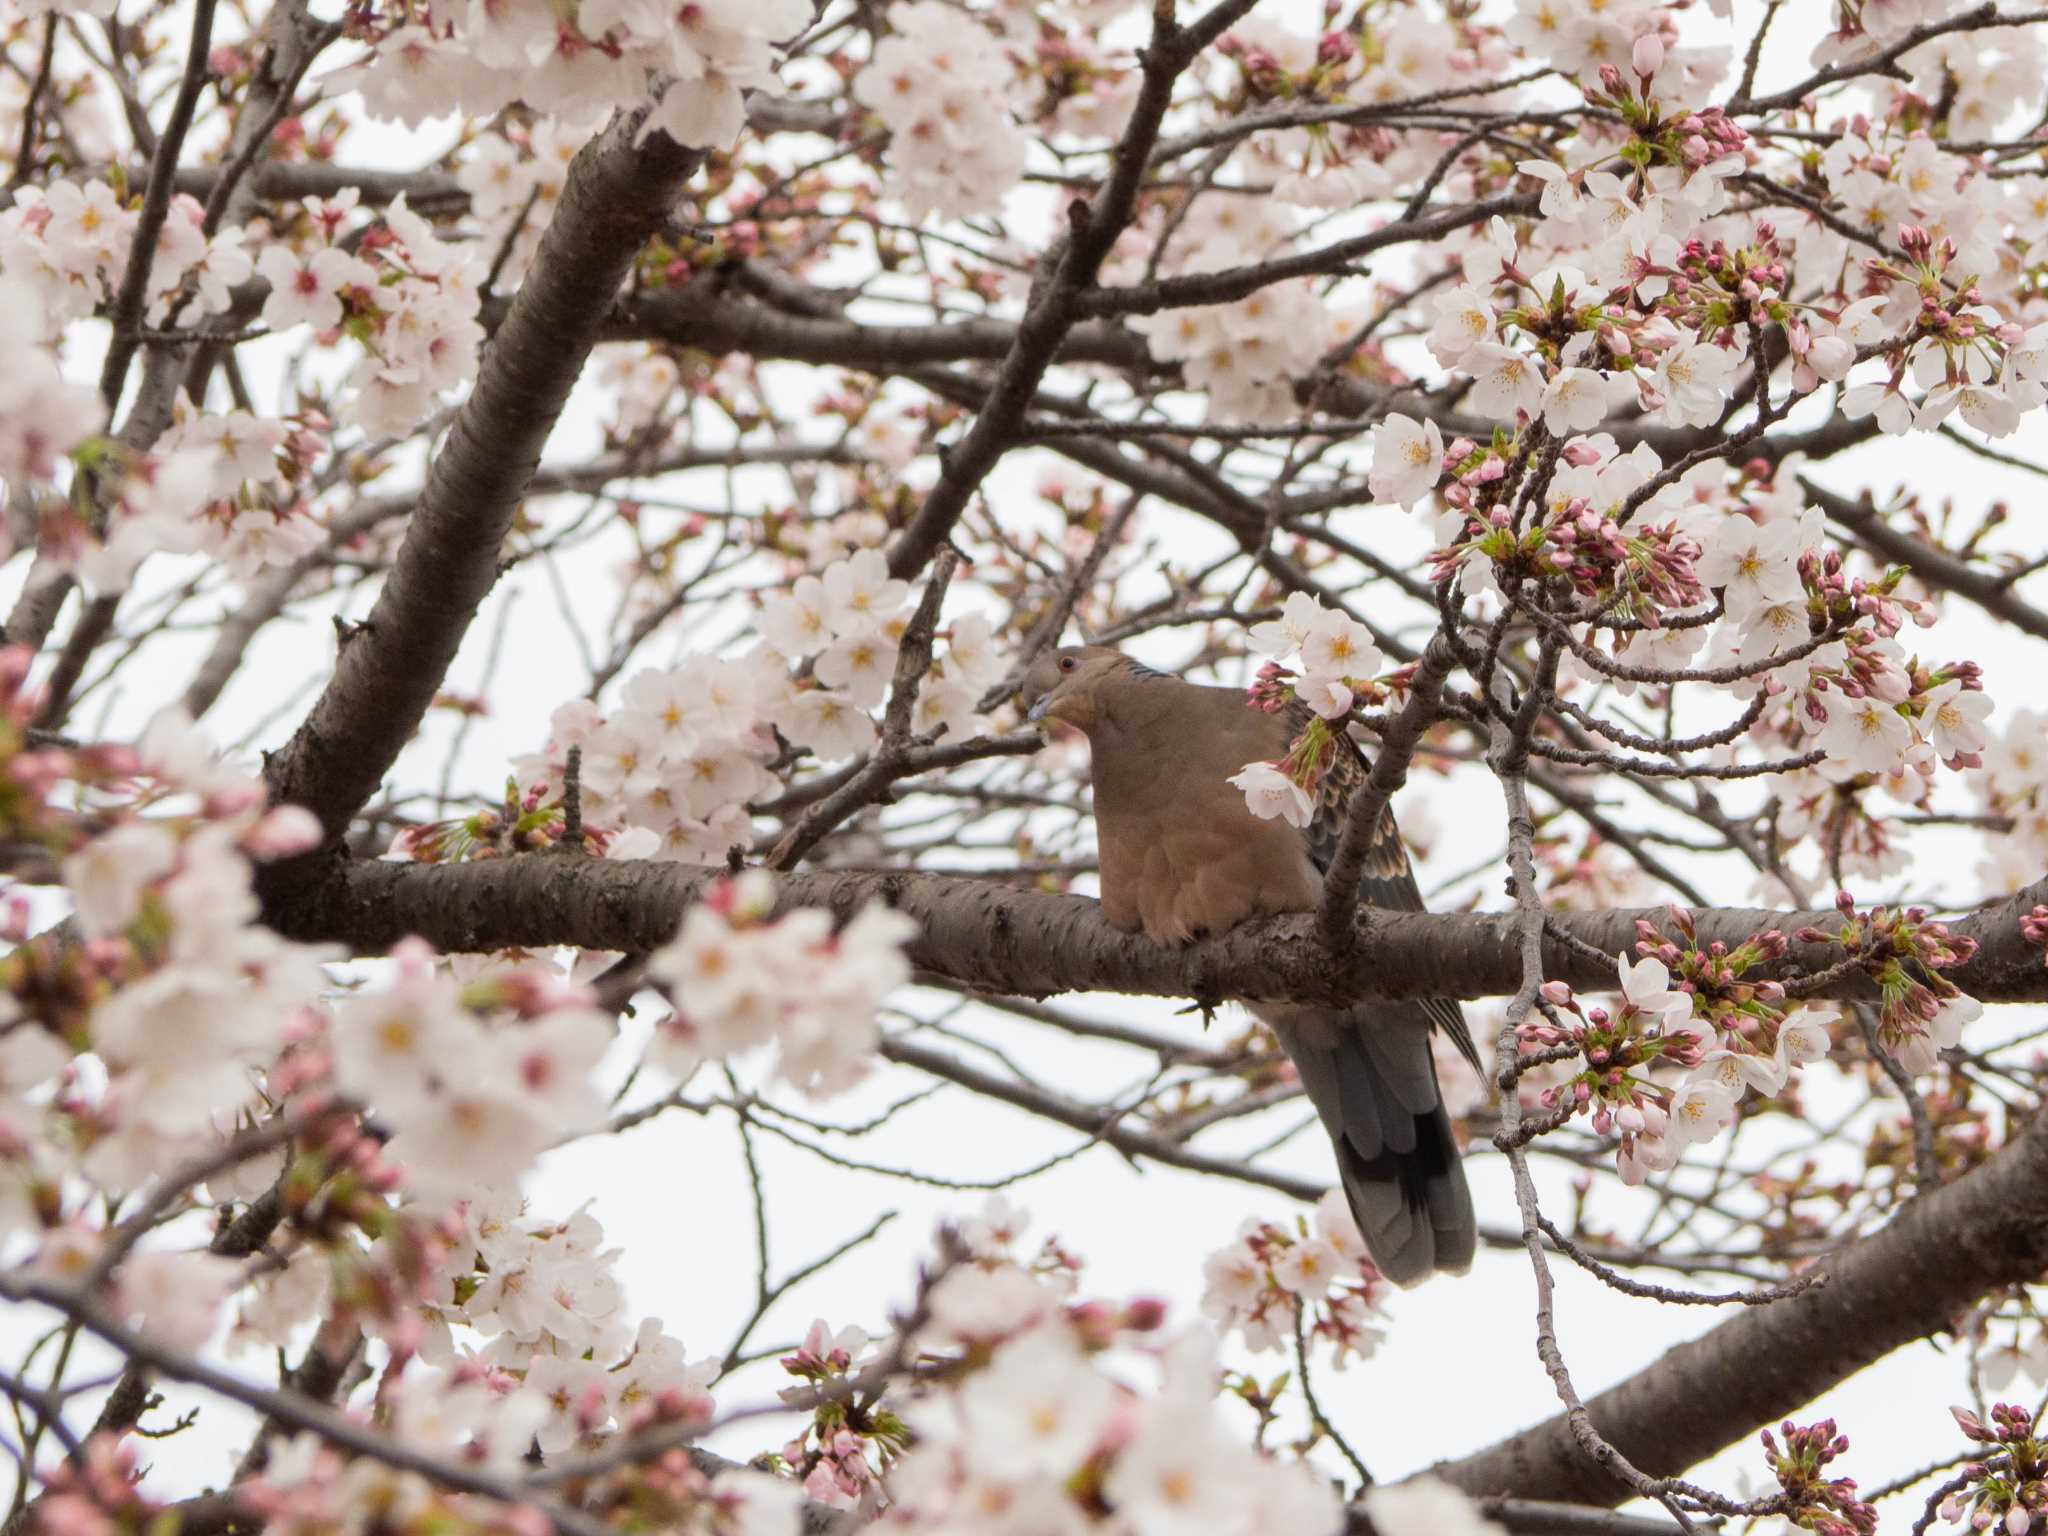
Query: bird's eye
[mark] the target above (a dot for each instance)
(1068, 663)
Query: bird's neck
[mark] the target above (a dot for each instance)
(1145, 731)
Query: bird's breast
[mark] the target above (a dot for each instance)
(1181, 865)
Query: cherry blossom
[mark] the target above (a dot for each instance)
(742, 982)
(1271, 793)
(1407, 460)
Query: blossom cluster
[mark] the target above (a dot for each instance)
(1034, 1421)
(1272, 1280)
(184, 1002)
(741, 978)
(407, 297)
(939, 83)
(1788, 620)
(176, 1023)
(545, 1296)
(224, 484)
(848, 617)
(1694, 1007)
(846, 1446)
(229, 485)
(1726, 1036)
(670, 773)
(1920, 1011)
(1396, 53)
(1816, 1502)
(1630, 303)
(1340, 666)
(43, 415)
(2006, 1487)
(504, 1331)
(559, 1371)
(1245, 355)
(473, 1082)
(576, 62)
(67, 243)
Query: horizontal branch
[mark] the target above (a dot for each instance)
(1231, 283)
(993, 937)
(707, 317)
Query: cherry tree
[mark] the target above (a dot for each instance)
(1614, 415)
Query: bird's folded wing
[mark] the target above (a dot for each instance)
(1388, 880)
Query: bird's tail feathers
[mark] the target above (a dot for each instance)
(1372, 1078)
(1414, 1209)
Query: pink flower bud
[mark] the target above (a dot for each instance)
(1648, 55)
(1145, 1314)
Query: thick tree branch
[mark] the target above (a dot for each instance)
(707, 317)
(620, 190)
(993, 937)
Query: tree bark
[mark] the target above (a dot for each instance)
(993, 937)
(621, 189)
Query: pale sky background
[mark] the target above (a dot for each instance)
(1458, 1369)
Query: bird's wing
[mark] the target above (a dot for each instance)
(1389, 879)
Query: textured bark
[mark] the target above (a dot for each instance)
(997, 938)
(1911, 1279)
(619, 193)
(706, 316)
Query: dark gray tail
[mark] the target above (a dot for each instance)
(1371, 1076)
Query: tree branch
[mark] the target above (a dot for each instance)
(1933, 565)
(994, 937)
(620, 190)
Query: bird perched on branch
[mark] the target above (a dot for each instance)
(1181, 855)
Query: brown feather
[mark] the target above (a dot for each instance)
(1181, 855)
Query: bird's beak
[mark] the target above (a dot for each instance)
(1037, 710)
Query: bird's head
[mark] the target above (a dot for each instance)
(1062, 684)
